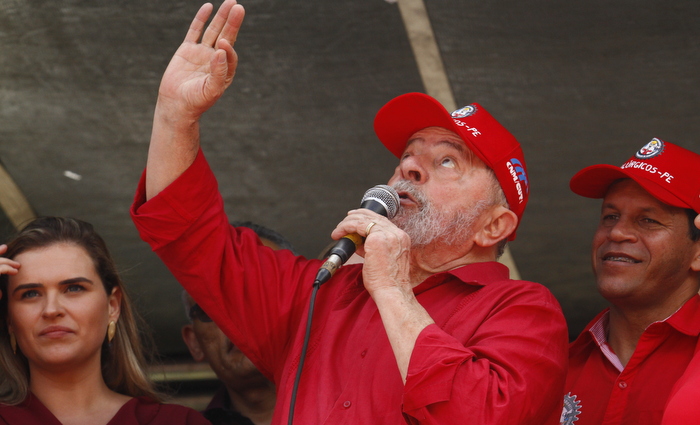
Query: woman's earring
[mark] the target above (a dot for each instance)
(13, 342)
(111, 331)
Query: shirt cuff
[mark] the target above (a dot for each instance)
(431, 371)
(166, 216)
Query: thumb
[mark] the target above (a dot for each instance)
(216, 83)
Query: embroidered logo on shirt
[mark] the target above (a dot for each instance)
(571, 410)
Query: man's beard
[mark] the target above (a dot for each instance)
(430, 224)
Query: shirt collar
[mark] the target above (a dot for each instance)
(599, 333)
(477, 274)
(685, 320)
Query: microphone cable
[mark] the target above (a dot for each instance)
(307, 336)
(381, 199)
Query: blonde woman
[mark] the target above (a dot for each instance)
(70, 351)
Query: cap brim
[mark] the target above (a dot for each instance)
(407, 114)
(594, 181)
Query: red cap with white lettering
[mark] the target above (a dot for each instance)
(668, 172)
(407, 114)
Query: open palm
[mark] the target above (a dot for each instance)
(200, 71)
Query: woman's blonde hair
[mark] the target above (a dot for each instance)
(123, 360)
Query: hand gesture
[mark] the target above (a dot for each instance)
(7, 266)
(205, 63)
(386, 250)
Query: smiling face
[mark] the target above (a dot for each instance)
(642, 253)
(58, 308)
(443, 187)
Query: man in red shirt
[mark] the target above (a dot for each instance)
(429, 329)
(646, 258)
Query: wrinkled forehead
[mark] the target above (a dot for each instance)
(445, 137)
(439, 135)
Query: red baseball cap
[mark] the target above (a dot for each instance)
(668, 172)
(407, 114)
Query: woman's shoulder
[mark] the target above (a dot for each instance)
(145, 411)
(30, 412)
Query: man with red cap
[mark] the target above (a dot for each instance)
(429, 330)
(646, 259)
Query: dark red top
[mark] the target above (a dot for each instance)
(137, 411)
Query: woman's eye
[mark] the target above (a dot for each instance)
(448, 162)
(32, 293)
(74, 288)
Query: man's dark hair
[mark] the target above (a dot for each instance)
(266, 233)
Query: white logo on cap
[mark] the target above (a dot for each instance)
(464, 111)
(651, 149)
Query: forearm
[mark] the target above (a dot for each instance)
(404, 319)
(173, 148)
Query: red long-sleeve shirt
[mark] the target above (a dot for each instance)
(495, 355)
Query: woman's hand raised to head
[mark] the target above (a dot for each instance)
(7, 266)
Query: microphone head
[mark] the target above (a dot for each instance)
(382, 199)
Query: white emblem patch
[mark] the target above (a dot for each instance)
(571, 410)
(464, 111)
(651, 149)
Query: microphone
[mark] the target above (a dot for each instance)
(381, 199)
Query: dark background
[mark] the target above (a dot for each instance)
(292, 142)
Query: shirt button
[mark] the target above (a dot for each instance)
(622, 384)
(364, 353)
(347, 404)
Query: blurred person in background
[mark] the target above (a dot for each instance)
(246, 396)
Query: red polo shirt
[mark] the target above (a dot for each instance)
(496, 355)
(602, 394)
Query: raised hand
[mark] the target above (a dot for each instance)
(198, 74)
(7, 266)
(205, 63)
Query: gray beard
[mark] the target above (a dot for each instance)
(429, 224)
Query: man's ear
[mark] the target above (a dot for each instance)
(499, 224)
(695, 264)
(192, 343)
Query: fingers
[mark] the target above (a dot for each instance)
(233, 24)
(358, 221)
(198, 23)
(8, 266)
(221, 21)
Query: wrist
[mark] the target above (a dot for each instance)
(175, 113)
